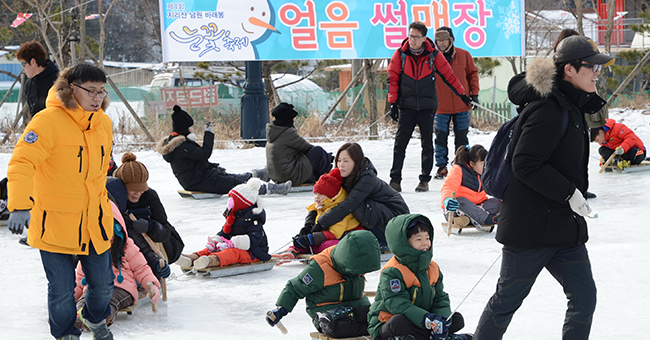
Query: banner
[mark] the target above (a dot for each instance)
(20, 18)
(201, 96)
(210, 30)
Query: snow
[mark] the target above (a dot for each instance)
(234, 307)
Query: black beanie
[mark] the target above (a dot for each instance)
(181, 121)
(284, 114)
(445, 32)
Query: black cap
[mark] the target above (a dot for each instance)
(578, 47)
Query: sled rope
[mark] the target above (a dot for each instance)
(475, 285)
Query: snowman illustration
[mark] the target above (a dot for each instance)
(230, 36)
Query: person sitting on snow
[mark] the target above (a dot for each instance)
(617, 138)
(337, 269)
(328, 193)
(242, 238)
(190, 164)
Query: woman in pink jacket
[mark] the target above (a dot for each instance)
(129, 268)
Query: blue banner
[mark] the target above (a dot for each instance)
(211, 30)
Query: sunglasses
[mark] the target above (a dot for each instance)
(594, 67)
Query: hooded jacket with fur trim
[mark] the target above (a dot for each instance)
(58, 171)
(547, 163)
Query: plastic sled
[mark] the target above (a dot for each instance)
(197, 195)
(237, 269)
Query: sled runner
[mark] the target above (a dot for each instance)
(302, 188)
(643, 166)
(237, 269)
(458, 229)
(384, 257)
(321, 336)
(197, 195)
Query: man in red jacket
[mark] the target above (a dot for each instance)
(452, 108)
(617, 138)
(412, 94)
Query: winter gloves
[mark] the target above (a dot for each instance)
(17, 220)
(466, 99)
(208, 127)
(156, 294)
(165, 271)
(394, 112)
(451, 204)
(579, 204)
(475, 100)
(140, 225)
(305, 241)
(279, 313)
(218, 243)
(619, 150)
(438, 325)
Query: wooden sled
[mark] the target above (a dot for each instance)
(643, 166)
(237, 269)
(457, 229)
(321, 336)
(302, 188)
(197, 195)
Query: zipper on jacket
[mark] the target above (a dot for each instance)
(415, 295)
(81, 149)
(101, 225)
(101, 163)
(43, 223)
(81, 220)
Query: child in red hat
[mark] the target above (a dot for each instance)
(328, 193)
(242, 238)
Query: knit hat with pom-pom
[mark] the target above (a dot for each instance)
(329, 184)
(181, 121)
(243, 196)
(132, 173)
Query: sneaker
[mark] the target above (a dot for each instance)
(461, 221)
(396, 186)
(99, 330)
(285, 257)
(278, 189)
(184, 261)
(422, 187)
(441, 173)
(262, 174)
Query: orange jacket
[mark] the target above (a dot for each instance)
(467, 73)
(465, 182)
(617, 134)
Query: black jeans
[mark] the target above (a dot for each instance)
(519, 269)
(407, 120)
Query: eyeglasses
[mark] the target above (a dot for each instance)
(594, 67)
(22, 64)
(93, 93)
(415, 37)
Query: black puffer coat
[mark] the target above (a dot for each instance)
(36, 88)
(286, 157)
(250, 221)
(370, 200)
(548, 164)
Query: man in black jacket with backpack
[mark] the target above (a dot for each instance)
(542, 220)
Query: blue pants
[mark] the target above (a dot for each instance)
(461, 126)
(519, 269)
(407, 120)
(61, 305)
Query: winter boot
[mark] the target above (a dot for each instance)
(492, 219)
(422, 187)
(396, 186)
(206, 261)
(262, 174)
(327, 319)
(186, 261)
(99, 330)
(69, 337)
(461, 221)
(441, 173)
(278, 189)
(467, 336)
(285, 256)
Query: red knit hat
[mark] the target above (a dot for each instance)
(329, 184)
(243, 195)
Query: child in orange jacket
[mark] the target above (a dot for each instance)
(617, 138)
(472, 203)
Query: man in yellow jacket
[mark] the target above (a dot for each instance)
(57, 181)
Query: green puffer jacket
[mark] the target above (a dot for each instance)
(410, 283)
(334, 277)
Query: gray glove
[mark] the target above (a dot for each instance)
(19, 219)
(141, 225)
(208, 127)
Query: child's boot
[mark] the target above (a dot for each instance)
(206, 261)
(99, 330)
(286, 256)
(461, 221)
(278, 189)
(327, 319)
(187, 261)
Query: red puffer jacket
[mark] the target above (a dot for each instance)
(617, 134)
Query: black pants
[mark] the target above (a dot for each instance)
(634, 155)
(321, 163)
(401, 325)
(407, 120)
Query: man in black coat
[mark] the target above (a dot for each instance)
(542, 222)
(41, 72)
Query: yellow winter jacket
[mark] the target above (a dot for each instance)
(58, 171)
(347, 223)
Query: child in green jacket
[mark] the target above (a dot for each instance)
(333, 286)
(411, 300)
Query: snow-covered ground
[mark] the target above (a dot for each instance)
(234, 307)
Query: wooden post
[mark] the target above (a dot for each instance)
(280, 326)
(609, 160)
(161, 263)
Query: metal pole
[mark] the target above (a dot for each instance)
(254, 105)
